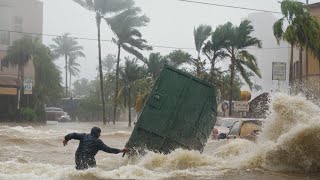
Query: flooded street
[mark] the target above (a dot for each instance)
(288, 149)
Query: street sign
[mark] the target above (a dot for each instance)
(27, 85)
(279, 71)
(241, 106)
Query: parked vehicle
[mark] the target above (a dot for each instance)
(222, 127)
(57, 114)
(246, 129)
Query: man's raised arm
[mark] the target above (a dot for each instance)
(70, 136)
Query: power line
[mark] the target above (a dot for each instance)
(52, 35)
(94, 39)
(229, 6)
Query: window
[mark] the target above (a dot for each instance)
(5, 38)
(235, 128)
(18, 22)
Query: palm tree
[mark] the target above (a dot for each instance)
(214, 51)
(73, 69)
(290, 10)
(108, 63)
(19, 54)
(129, 38)
(48, 88)
(129, 74)
(154, 64)
(238, 39)
(201, 34)
(67, 47)
(177, 58)
(101, 8)
(308, 35)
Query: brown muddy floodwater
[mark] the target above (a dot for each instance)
(289, 148)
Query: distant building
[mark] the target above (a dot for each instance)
(270, 51)
(17, 16)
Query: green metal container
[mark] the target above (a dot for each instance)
(180, 112)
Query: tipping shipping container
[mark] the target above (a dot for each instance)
(180, 112)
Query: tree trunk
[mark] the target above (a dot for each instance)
(129, 104)
(211, 70)
(291, 68)
(22, 85)
(69, 82)
(198, 68)
(231, 86)
(300, 64)
(19, 87)
(307, 51)
(66, 63)
(98, 20)
(117, 87)
(307, 62)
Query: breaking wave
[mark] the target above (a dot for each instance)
(289, 143)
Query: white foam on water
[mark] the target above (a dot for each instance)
(289, 142)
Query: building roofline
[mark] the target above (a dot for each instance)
(314, 5)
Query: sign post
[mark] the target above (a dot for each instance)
(279, 71)
(241, 106)
(27, 85)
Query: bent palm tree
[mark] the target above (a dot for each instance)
(129, 38)
(66, 47)
(101, 8)
(308, 35)
(213, 50)
(201, 34)
(238, 39)
(290, 10)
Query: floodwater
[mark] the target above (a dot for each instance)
(289, 148)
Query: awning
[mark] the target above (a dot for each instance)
(8, 91)
(8, 85)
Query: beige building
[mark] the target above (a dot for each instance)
(310, 69)
(17, 16)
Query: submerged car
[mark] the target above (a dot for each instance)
(246, 129)
(222, 127)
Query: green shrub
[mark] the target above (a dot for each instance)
(28, 114)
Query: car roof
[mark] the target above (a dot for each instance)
(53, 109)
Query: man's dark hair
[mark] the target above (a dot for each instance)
(95, 131)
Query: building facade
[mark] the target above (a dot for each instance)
(270, 52)
(17, 17)
(309, 69)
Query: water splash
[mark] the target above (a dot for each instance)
(289, 142)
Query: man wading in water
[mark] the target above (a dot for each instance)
(89, 145)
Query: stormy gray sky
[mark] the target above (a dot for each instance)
(171, 24)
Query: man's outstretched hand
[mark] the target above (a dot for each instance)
(65, 142)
